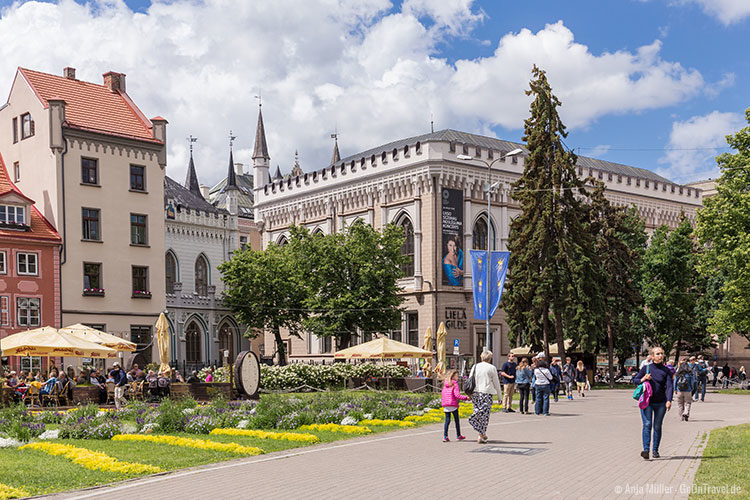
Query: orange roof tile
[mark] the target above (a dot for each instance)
(92, 107)
(39, 226)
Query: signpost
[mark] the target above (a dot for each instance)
(456, 343)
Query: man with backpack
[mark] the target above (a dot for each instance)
(684, 382)
(702, 369)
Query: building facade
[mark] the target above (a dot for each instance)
(199, 237)
(433, 186)
(29, 269)
(95, 164)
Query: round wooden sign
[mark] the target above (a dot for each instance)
(247, 373)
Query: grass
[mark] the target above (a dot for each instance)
(744, 392)
(724, 465)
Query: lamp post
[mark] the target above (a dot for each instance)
(489, 188)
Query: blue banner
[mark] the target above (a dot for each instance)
(478, 278)
(498, 271)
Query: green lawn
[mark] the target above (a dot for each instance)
(744, 392)
(724, 465)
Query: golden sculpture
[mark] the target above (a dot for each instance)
(442, 333)
(427, 340)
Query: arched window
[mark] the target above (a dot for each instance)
(226, 341)
(318, 232)
(170, 274)
(479, 234)
(201, 276)
(407, 249)
(282, 241)
(193, 343)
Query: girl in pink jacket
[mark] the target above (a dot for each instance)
(451, 397)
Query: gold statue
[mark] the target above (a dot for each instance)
(442, 333)
(427, 344)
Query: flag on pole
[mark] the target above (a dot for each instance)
(498, 270)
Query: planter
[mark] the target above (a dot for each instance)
(83, 395)
(202, 391)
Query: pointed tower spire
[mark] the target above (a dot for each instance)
(231, 175)
(277, 176)
(261, 149)
(261, 163)
(191, 181)
(336, 156)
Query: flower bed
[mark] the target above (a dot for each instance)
(286, 436)
(191, 443)
(346, 429)
(92, 459)
(7, 492)
(324, 376)
(386, 423)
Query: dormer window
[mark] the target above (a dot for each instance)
(12, 215)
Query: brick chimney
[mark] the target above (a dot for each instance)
(69, 73)
(114, 81)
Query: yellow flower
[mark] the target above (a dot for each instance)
(93, 460)
(386, 423)
(7, 492)
(201, 444)
(424, 418)
(287, 436)
(347, 429)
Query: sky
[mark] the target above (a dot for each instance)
(656, 84)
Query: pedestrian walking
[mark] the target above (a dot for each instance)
(683, 382)
(523, 383)
(121, 381)
(556, 372)
(487, 384)
(543, 379)
(581, 378)
(702, 378)
(715, 370)
(533, 381)
(725, 376)
(451, 395)
(660, 380)
(508, 378)
(743, 373)
(568, 377)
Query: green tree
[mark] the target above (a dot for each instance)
(350, 280)
(552, 267)
(619, 244)
(263, 291)
(723, 227)
(672, 290)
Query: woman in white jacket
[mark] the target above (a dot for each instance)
(487, 384)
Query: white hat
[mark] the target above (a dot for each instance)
(115, 364)
(540, 355)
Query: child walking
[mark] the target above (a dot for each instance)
(451, 397)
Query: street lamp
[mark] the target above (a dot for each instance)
(490, 186)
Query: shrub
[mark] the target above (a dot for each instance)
(323, 376)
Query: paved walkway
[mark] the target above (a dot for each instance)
(588, 448)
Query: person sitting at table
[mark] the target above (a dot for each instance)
(48, 384)
(193, 378)
(96, 379)
(83, 377)
(178, 377)
(163, 381)
(12, 380)
(153, 384)
(65, 384)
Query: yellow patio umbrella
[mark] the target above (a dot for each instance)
(48, 341)
(427, 344)
(162, 340)
(442, 333)
(526, 350)
(382, 348)
(98, 337)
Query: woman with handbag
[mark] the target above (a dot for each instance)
(542, 383)
(486, 383)
(659, 377)
(523, 382)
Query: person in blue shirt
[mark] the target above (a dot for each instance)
(652, 416)
(508, 379)
(523, 383)
(556, 370)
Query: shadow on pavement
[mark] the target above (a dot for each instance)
(691, 457)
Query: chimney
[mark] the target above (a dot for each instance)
(114, 81)
(238, 168)
(69, 73)
(205, 191)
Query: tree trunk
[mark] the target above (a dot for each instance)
(676, 353)
(343, 341)
(610, 351)
(545, 329)
(280, 346)
(559, 334)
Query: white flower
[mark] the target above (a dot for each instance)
(188, 411)
(367, 416)
(148, 428)
(243, 424)
(9, 443)
(128, 428)
(349, 421)
(50, 434)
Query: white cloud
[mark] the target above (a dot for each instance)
(726, 11)
(727, 80)
(694, 143)
(600, 150)
(365, 67)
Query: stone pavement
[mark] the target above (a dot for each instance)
(588, 448)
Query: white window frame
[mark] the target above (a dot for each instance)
(26, 271)
(5, 211)
(28, 309)
(3, 262)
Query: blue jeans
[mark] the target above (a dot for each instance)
(448, 423)
(703, 383)
(652, 417)
(541, 404)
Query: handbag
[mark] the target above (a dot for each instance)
(471, 383)
(638, 392)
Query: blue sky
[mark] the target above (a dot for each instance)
(650, 83)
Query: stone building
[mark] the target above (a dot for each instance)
(199, 237)
(433, 186)
(95, 165)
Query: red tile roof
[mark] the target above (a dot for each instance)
(92, 107)
(39, 226)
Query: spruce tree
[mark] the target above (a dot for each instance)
(552, 268)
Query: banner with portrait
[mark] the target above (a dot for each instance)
(452, 229)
